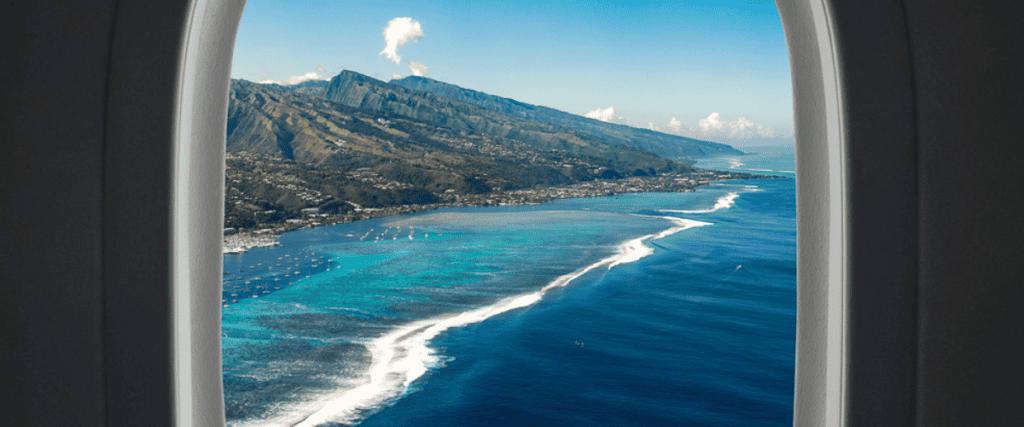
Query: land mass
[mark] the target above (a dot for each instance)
(355, 148)
(662, 144)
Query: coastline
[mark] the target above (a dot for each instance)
(264, 235)
(242, 242)
(392, 363)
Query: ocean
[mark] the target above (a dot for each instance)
(646, 309)
(775, 160)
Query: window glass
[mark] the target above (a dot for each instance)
(460, 213)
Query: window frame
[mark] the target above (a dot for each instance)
(197, 192)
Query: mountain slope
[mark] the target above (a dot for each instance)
(289, 151)
(369, 94)
(435, 154)
(360, 91)
(663, 144)
(308, 87)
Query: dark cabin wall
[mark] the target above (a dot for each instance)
(969, 117)
(934, 104)
(882, 211)
(86, 116)
(934, 108)
(51, 169)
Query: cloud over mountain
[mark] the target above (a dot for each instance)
(711, 125)
(417, 68)
(602, 114)
(714, 127)
(294, 80)
(675, 125)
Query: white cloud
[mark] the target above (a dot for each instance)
(399, 32)
(675, 125)
(418, 69)
(766, 132)
(321, 69)
(714, 127)
(294, 80)
(396, 76)
(741, 128)
(602, 114)
(744, 129)
(711, 125)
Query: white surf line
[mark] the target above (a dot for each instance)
(636, 248)
(401, 356)
(724, 202)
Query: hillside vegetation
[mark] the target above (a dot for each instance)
(357, 147)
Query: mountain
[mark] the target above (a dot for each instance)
(437, 144)
(308, 87)
(360, 91)
(358, 147)
(369, 94)
(663, 144)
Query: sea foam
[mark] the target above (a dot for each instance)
(724, 202)
(402, 355)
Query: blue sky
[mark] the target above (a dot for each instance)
(670, 65)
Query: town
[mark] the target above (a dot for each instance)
(251, 220)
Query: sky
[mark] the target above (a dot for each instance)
(712, 70)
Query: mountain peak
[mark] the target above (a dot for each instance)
(417, 78)
(349, 75)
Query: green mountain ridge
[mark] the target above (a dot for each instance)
(357, 143)
(366, 128)
(665, 145)
(463, 109)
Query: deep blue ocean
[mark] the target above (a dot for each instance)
(652, 309)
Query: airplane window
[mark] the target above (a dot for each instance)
(461, 213)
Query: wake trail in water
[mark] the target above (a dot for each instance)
(402, 355)
(738, 267)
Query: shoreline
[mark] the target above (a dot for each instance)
(403, 354)
(266, 235)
